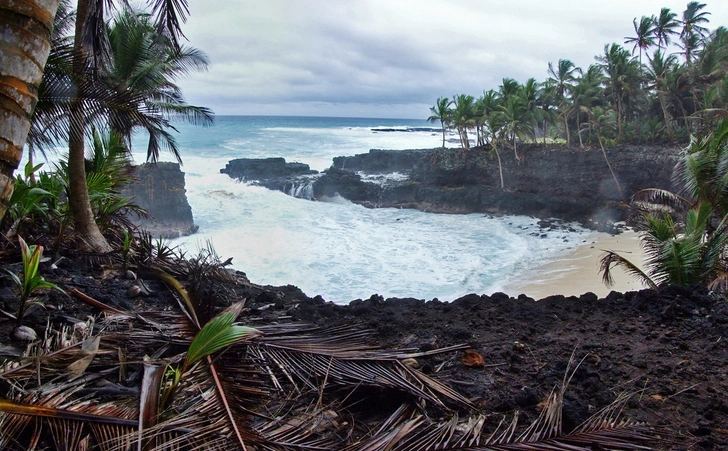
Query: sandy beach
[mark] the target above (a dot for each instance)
(577, 271)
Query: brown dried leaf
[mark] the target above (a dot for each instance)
(473, 359)
(88, 351)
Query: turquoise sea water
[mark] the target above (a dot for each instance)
(337, 249)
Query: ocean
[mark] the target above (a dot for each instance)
(338, 249)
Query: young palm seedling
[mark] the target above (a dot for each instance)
(216, 335)
(31, 280)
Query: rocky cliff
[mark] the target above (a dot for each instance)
(160, 189)
(546, 182)
(574, 185)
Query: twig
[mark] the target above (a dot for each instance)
(681, 391)
(89, 300)
(323, 386)
(432, 352)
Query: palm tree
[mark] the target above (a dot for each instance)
(546, 107)
(694, 17)
(692, 250)
(462, 117)
(90, 46)
(141, 70)
(585, 94)
(710, 69)
(665, 26)
(487, 105)
(622, 78)
(657, 72)
(22, 70)
(513, 113)
(643, 35)
(530, 92)
(508, 88)
(48, 125)
(679, 89)
(601, 122)
(441, 112)
(693, 32)
(561, 78)
(495, 126)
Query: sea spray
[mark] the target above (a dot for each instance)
(337, 249)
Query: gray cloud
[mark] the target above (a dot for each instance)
(391, 58)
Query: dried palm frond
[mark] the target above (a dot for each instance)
(294, 388)
(407, 430)
(343, 360)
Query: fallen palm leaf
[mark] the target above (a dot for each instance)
(11, 407)
(89, 348)
(91, 301)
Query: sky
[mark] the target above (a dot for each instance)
(393, 58)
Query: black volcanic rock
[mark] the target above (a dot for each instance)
(547, 182)
(264, 168)
(347, 184)
(573, 185)
(159, 188)
(383, 161)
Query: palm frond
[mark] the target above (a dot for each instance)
(611, 259)
(660, 200)
(217, 334)
(309, 362)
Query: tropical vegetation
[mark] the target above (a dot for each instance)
(111, 76)
(200, 380)
(672, 83)
(685, 234)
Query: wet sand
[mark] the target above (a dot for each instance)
(577, 271)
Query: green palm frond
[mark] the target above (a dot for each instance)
(217, 334)
(611, 259)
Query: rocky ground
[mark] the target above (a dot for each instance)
(669, 347)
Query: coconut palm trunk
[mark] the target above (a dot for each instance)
(83, 218)
(614, 176)
(578, 131)
(442, 124)
(568, 133)
(24, 49)
(668, 119)
(500, 167)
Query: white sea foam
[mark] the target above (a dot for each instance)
(337, 249)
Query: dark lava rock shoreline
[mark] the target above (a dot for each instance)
(572, 185)
(667, 347)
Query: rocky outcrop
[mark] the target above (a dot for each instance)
(264, 169)
(574, 185)
(384, 161)
(295, 179)
(160, 190)
(546, 182)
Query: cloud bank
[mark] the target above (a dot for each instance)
(379, 58)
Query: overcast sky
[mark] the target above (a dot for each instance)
(392, 58)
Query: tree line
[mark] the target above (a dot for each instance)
(670, 85)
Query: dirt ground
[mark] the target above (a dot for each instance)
(669, 347)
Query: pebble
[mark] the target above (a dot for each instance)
(24, 333)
